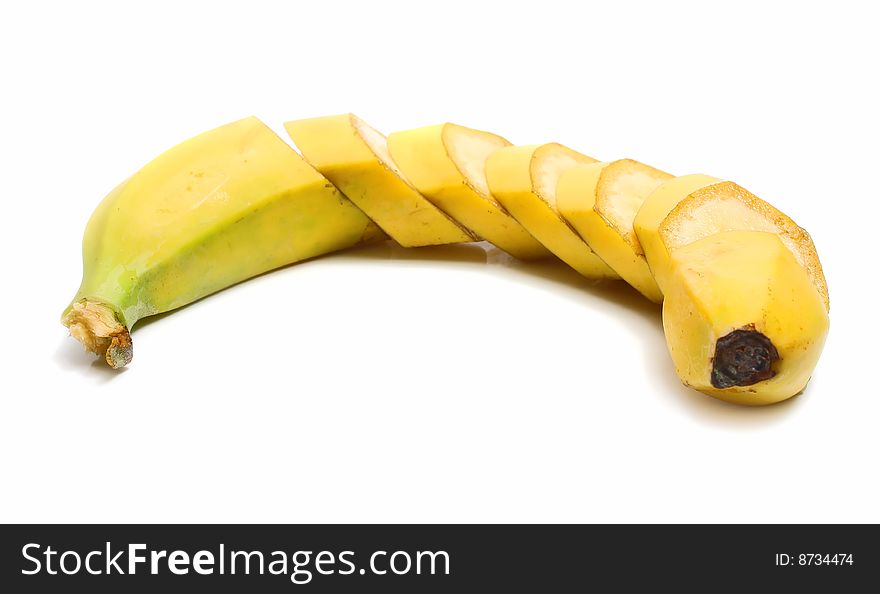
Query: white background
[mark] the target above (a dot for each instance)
(445, 384)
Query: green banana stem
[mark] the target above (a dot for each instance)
(96, 326)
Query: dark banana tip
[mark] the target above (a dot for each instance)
(120, 351)
(742, 358)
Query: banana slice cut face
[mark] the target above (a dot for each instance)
(355, 158)
(524, 180)
(446, 163)
(601, 201)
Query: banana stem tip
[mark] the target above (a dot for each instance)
(96, 326)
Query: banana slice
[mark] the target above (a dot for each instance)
(702, 206)
(446, 163)
(524, 180)
(355, 157)
(729, 319)
(600, 201)
(650, 215)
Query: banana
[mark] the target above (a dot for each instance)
(743, 319)
(600, 201)
(447, 164)
(745, 301)
(219, 208)
(355, 158)
(524, 180)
